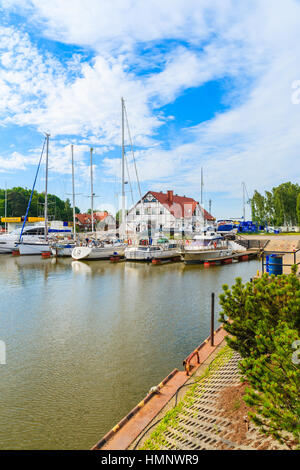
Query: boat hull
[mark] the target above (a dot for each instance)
(7, 247)
(62, 251)
(201, 256)
(33, 248)
(167, 254)
(135, 254)
(95, 253)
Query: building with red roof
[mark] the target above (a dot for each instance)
(167, 211)
(102, 219)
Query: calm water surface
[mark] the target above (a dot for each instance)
(86, 341)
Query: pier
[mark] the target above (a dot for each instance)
(188, 410)
(123, 435)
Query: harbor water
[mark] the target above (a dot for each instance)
(86, 341)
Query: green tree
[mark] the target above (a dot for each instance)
(278, 207)
(258, 208)
(17, 202)
(274, 385)
(263, 319)
(298, 209)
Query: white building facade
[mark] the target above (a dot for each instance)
(158, 211)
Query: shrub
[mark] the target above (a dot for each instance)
(263, 319)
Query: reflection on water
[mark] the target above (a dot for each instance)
(87, 340)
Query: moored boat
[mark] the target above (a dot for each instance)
(33, 248)
(62, 250)
(206, 247)
(100, 252)
(145, 252)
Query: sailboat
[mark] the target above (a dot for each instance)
(64, 250)
(102, 250)
(34, 246)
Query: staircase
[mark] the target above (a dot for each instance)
(250, 244)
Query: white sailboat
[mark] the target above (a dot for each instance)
(37, 247)
(105, 250)
(64, 250)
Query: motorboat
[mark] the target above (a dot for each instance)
(31, 234)
(145, 252)
(205, 247)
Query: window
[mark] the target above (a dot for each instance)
(33, 231)
(137, 212)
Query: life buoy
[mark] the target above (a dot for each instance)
(215, 244)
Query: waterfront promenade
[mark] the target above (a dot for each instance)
(211, 415)
(205, 411)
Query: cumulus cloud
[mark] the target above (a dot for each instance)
(150, 53)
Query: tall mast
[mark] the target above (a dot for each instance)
(123, 172)
(92, 190)
(202, 184)
(73, 193)
(5, 207)
(46, 188)
(244, 204)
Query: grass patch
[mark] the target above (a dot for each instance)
(237, 404)
(171, 420)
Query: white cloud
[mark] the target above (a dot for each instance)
(16, 161)
(252, 44)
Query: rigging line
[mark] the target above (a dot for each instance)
(129, 181)
(32, 191)
(131, 145)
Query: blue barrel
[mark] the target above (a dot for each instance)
(274, 264)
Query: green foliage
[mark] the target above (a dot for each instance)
(172, 418)
(259, 305)
(275, 381)
(263, 319)
(281, 206)
(298, 209)
(17, 201)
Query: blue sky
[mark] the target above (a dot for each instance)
(205, 83)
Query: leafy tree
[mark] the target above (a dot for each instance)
(298, 209)
(278, 207)
(258, 208)
(263, 319)
(17, 201)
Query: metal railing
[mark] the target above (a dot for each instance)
(283, 253)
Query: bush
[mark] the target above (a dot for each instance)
(263, 319)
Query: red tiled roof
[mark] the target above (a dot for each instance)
(86, 219)
(179, 206)
(207, 215)
(100, 215)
